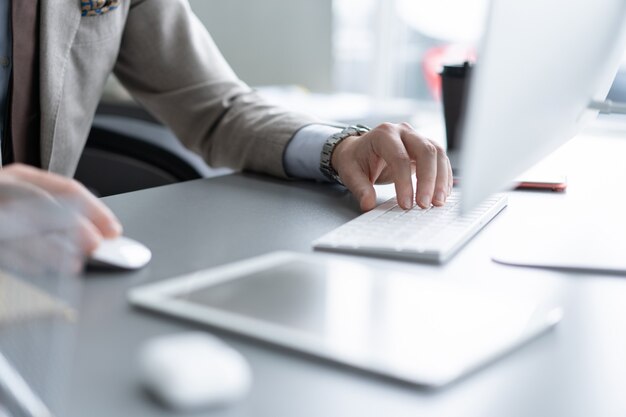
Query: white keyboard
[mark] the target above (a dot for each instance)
(430, 235)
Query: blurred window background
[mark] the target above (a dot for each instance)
(380, 48)
(395, 48)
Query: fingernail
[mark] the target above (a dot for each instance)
(408, 203)
(440, 197)
(425, 201)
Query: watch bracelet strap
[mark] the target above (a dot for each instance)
(326, 167)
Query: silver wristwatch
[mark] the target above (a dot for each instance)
(330, 145)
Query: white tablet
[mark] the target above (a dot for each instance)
(417, 329)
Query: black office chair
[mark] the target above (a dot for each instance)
(127, 153)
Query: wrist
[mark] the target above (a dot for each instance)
(328, 151)
(341, 150)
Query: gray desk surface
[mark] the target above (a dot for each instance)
(577, 370)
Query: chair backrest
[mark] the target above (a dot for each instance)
(114, 163)
(128, 150)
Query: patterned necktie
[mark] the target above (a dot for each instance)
(25, 82)
(96, 7)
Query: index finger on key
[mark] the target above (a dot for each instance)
(426, 157)
(389, 146)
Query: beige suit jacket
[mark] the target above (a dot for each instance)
(164, 56)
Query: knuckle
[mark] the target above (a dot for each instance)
(441, 189)
(406, 126)
(387, 127)
(430, 149)
(362, 192)
(19, 168)
(439, 148)
(73, 187)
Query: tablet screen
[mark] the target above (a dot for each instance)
(293, 294)
(416, 328)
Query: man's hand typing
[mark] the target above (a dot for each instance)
(393, 153)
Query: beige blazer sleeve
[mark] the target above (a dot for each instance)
(170, 64)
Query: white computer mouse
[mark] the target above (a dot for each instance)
(120, 253)
(193, 370)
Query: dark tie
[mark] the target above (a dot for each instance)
(25, 84)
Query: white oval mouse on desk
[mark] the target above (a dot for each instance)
(120, 253)
(193, 370)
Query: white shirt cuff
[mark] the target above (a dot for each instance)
(302, 156)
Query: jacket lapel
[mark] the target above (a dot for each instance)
(59, 23)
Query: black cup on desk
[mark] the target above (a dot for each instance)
(454, 85)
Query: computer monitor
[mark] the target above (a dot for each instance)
(539, 66)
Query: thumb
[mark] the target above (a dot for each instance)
(359, 184)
